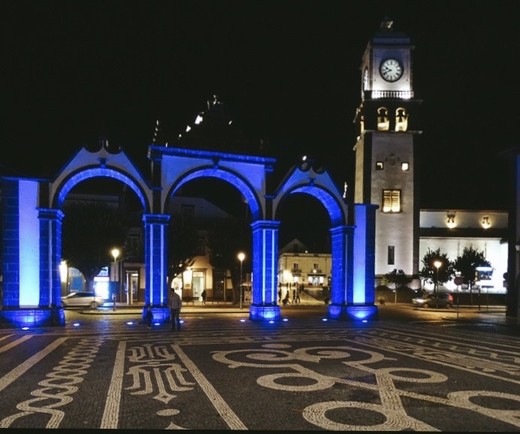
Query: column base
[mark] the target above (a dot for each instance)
(32, 317)
(161, 314)
(264, 312)
(361, 312)
(353, 312)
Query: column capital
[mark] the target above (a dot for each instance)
(156, 219)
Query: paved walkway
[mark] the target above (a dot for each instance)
(469, 313)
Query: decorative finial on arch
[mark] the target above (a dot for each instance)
(387, 24)
(157, 132)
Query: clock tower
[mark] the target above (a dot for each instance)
(385, 168)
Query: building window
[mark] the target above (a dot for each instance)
(391, 255)
(295, 266)
(405, 166)
(382, 119)
(380, 165)
(187, 211)
(401, 119)
(201, 246)
(391, 201)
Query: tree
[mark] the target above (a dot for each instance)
(398, 278)
(184, 243)
(225, 239)
(467, 263)
(430, 273)
(89, 232)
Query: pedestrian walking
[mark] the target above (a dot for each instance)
(175, 304)
(296, 295)
(203, 295)
(149, 317)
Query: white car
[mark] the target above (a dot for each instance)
(82, 299)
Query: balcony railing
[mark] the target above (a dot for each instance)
(393, 94)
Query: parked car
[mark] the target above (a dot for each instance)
(82, 299)
(438, 299)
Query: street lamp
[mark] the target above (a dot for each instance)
(437, 264)
(115, 253)
(241, 256)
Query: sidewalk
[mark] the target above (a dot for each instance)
(464, 313)
(190, 307)
(483, 314)
(197, 307)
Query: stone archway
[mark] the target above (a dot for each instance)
(247, 175)
(32, 230)
(352, 229)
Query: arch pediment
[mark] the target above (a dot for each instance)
(86, 164)
(319, 184)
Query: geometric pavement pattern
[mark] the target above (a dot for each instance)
(226, 375)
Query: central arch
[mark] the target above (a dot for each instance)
(223, 174)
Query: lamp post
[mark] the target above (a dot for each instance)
(241, 256)
(437, 264)
(115, 253)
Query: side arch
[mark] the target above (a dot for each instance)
(75, 178)
(336, 210)
(352, 242)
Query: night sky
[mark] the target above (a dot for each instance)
(287, 73)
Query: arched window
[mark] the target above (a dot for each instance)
(401, 119)
(382, 119)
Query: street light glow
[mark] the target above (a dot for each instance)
(241, 256)
(115, 253)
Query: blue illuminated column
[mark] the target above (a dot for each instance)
(31, 257)
(156, 265)
(341, 274)
(10, 246)
(360, 301)
(50, 259)
(265, 270)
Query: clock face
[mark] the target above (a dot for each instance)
(391, 70)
